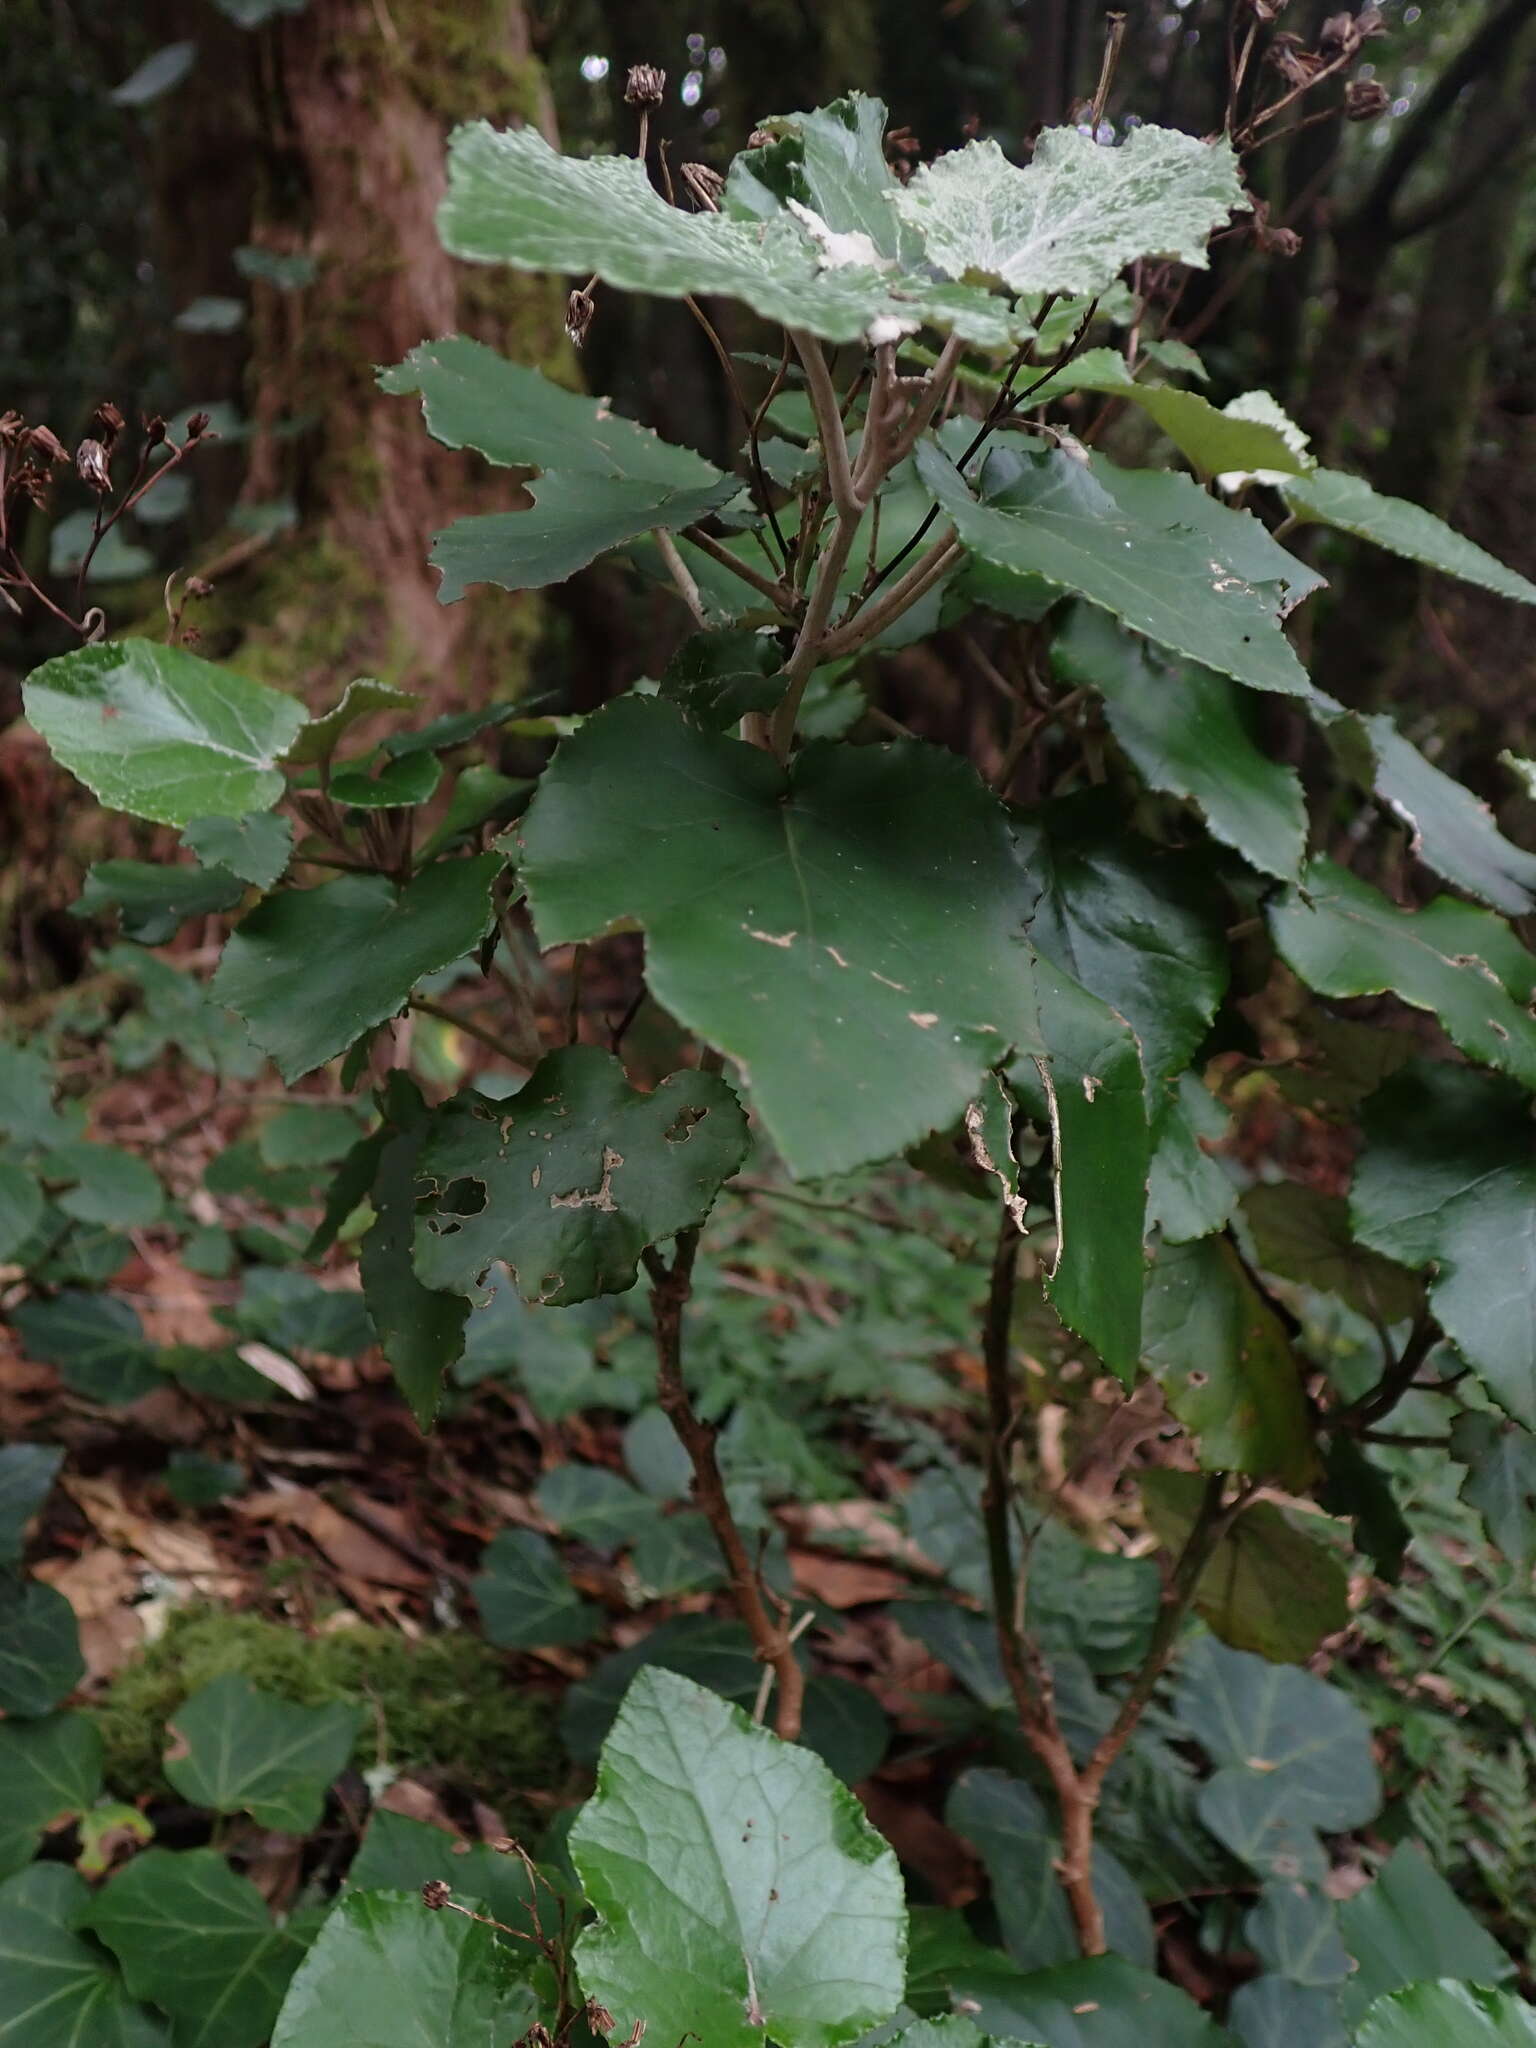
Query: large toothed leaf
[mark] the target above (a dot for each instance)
(1073, 218)
(1193, 733)
(1180, 572)
(512, 199)
(1447, 1180)
(310, 970)
(833, 161)
(161, 733)
(56, 1989)
(570, 1179)
(739, 1889)
(1334, 498)
(864, 974)
(1345, 938)
(573, 519)
(1409, 1925)
(1449, 2016)
(472, 397)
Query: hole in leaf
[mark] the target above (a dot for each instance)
(463, 1197)
(681, 1127)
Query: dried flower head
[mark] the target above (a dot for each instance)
(1365, 99)
(1296, 64)
(436, 1893)
(599, 2018)
(12, 427)
(1267, 11)
(154, 430)
(106, 424)
(45, 445)
(1342, 34)
(704, 184)
(92, 463)
(761, 138)
(579, 310)
(645, 85)
(198, 425)
(199, 586)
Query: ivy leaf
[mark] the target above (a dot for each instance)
(21, 1213)
(1409, 1924)
(50, 1771)
(570, 1179)
(1500, 1481)
(595, 1506)
(196, 1939)
(256, 847)
(385, 1971)
(95, 1341)
(738, 1886)
(420, 1332)
(865, 975)
(1191, 732)
(1292, 1755)
(1334, 498)
(162, 734)
(1007, 1825)
(1188, 1193)
(471, 397)
(238, 1750)
(1447, 1179)
(1077, 213)
(1452, 832)
(400, 1854)
(512, 199)
(40, 1658)
(57, 1991)
(525, 1596)
(27, 1473)
(105, 1184)
(1126, 550)
(1449, 2016)
(1267, 1587)
(1140, 931)
(1304, 1236)
(1098, 2002)
(1222, 1357)
(362, 696)
(310, 970)
(153, 900)
(1345, 938)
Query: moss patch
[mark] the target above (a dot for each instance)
(444, 1708)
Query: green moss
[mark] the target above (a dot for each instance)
(443, 1708)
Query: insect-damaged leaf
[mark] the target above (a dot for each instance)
(568, 1180)
(865, 974)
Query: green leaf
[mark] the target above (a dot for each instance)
(1137, 928)
(1223, 1358)
(1346, 939)
(294, 1312)
(1191, 732)
(161, 733)
(1292, 1756)
(1356, 1486)
(1128, 551)
(199, 1482)
(1272, 2012)
(1189, 1195)
(21, 1208)
(1447, 1179)
(1098, 1117)
(1449, 2016)
(512, 199)
(390, 783)
(738, 1886)
(27, 1473)
(567, 1181)
(362, 696)
(1304, 1236)
(307, 1133)
(1409, 1925)
(716, 678)
(595, 1506)
(95, 1341)
(152, 900)
(1099, 2002)
(1077, 213)
(50, 1771)
(865, 975)
(525, 1596)
(197, 1940)
(571, 521)
(105, 1185)
(420, 1332)
(1294, 1931)
(40, 1657)
(1007, 1825)
(57, 1991)
(1500, 1481)
(1333, 498)
(238, 1750)
(471, 397)
(256, 847)
(310, 970)
(1268, 1587)
(398, 1854)
(107, 1831)
(386, 1972)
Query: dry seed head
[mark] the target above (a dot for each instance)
(645, 85)
(91, 461)
(1365, 98)
(436, 1893)
(579, 309)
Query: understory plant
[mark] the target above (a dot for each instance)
(1179, 895)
